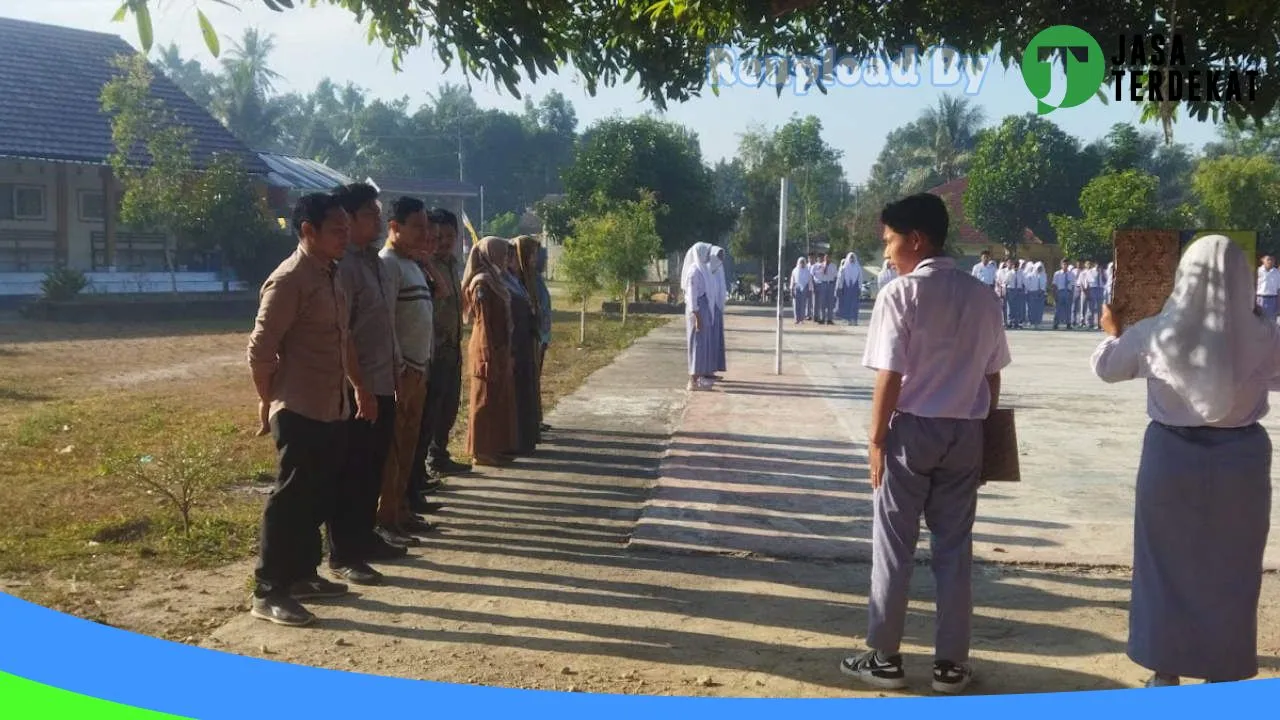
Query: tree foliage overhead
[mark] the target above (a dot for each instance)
(1112, 201)
(662, 44)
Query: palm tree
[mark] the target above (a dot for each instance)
(245, 104)
(942, 143)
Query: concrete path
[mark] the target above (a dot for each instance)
(776, 465)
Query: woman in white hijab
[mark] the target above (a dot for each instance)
(1204, 480)
(718, 300)
(849, 288)
(801, 289)
(699, 288)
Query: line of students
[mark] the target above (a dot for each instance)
(938, 346)
(821, 291)
(356, 358)
(1024, 287)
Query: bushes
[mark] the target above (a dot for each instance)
(63, 284)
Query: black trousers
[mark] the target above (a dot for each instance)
(310, 455)
(350, 527)
(440, 412)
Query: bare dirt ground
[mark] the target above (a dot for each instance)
(535, 582)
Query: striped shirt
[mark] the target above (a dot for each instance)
(413, 314)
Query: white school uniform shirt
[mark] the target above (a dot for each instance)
(985, 272)
(1269, 282)
(886, 276)
(1124, 358)
(1002, 276)
(1063, 280)
(1036, 281)
(940, 328)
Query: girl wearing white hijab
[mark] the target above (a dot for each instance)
(699, 289)
(718, 300)
(1204, 480)
(849, 288)
(801, 289)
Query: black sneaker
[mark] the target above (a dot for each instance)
(316, 588)
(357, 574)
(951, 678)
(886, 674)
(281, 611)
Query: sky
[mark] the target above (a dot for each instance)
(314, 43)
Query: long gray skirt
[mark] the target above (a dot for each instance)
(702, 358)
(1202, 518)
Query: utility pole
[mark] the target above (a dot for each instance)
(782, 242)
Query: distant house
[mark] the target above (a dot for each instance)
(58, 198)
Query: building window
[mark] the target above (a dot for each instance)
(92, 207)
(21, 202)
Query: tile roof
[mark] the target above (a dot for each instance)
(51, 79)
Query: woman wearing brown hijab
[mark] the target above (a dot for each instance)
(491, 432)
(529, 265)
(524, 347)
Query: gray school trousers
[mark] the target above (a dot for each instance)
(932, 467)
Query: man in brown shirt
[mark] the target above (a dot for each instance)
(302, 357)
(444, 386)
(353, 543)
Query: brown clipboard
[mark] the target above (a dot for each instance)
(1000, 448)
(1146, 265)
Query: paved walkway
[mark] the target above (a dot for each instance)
(776, 465)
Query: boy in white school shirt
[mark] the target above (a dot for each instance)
(937, 343)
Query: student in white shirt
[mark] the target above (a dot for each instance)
(1077, 294)
(937, 345)
(986, 269)
(1109, 283)
(887, 275)
(1002, 290)
(1063, 282)
(1203, 505)
(801, 289)
(1268, 287)
(824, 279)
(1036, 286)
(1018, 294)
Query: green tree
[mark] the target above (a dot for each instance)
(618, 159)
(581, 263)
(1110, 202)
(1239, 192)
(1021, 173)
(632, 245)
(505, 225)
(942, 142)
(151, 156)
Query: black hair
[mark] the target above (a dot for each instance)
(440, 216)
(314, 209)
(403, 207)
(355, 196)
(923, 212)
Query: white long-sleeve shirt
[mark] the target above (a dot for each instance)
(986, 272)
(1269, 282)
(1124, 358)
